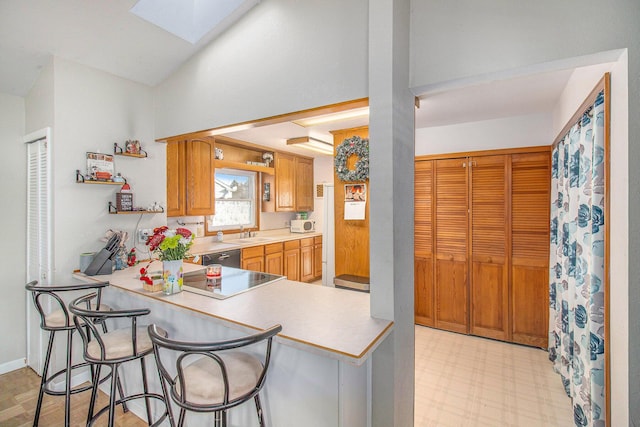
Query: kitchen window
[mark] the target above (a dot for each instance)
(236, 204)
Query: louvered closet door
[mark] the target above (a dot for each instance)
(490, 235)
(423, 244)
(530, 240)
(451, 295)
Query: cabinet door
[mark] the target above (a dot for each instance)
(273, 263)
(423, 244)
(200, 177)
(451, 229)
(285, 182)
(253, 264)
(490, 241)
(292, 264)
(304, 184)
(176, 187)
(317, 257)
(306, 263)
(530, 248)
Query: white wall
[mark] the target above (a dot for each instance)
(282, 56)
(454, 42)
(93, 110)
(509, 132)
(13, 178)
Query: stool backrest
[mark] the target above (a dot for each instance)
(185, 352)
(43, 293)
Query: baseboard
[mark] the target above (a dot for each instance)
(12, 365)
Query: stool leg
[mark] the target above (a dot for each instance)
(146, 389)
(124, 404)
(181, 417)
(94, 391)
(45, 370)
(256, 398)
(112, 396)
(67, 395)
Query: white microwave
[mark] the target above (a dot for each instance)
(303, 226)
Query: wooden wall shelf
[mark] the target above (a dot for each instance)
(114, 211)
(243, 166)
(140, 156)
(119, 151)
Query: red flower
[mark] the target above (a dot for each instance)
(147, 280)
(160, 230)
(183, 232)
(155, 241)
(143, 271)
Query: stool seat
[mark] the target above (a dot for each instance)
(59, 319)
(118, 344)
(203, 380)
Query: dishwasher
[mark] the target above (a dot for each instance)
(227, 258)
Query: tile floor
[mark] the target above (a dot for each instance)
(469, 381)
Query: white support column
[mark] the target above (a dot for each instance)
(391, 135)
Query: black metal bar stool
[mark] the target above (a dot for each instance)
(208, 378)
(113, 349)
(59, 320)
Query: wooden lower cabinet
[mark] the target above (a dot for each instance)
(274, 259)
(253, 258)
(306, 260)
(317, 257)
(482, 244)
(291, 260)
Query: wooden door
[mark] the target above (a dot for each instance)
(176, 186)
(285, 182)
(351, 236)
(451, 225)
(530, 198)
(200, 177)
(317, 257)
(304, 184)
(423, 244)
(490, 241)
(306, 260)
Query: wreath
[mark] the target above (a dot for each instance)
(349, 147)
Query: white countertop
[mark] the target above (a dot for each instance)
(206, 245)
(323, 320)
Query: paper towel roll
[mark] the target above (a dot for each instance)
(85, 260)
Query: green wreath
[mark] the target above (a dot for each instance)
(349, 147)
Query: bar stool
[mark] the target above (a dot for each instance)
(59, 320)
(113, 349)
(207, 378)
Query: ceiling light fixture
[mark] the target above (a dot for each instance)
(313, 144)
(335, 117)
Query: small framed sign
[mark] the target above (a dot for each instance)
(124, 202)
(99, 166)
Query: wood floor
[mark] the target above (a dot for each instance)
(19, 394)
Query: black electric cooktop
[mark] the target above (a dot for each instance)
(233, 281)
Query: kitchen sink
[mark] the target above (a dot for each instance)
(254, 240)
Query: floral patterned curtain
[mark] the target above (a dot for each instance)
(576, 294)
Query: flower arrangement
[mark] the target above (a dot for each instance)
(170, 245)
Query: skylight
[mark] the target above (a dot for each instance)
(192, 19)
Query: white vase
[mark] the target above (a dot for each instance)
(172, 275)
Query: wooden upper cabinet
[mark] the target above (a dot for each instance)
(176, 179)
(200, 177)
(190, 178)
(423, 243)
(293, 182)
(490, 240)
(285, 182)
(451, 238)
(304, 184)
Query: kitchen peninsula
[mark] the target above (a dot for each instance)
(320, 360)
